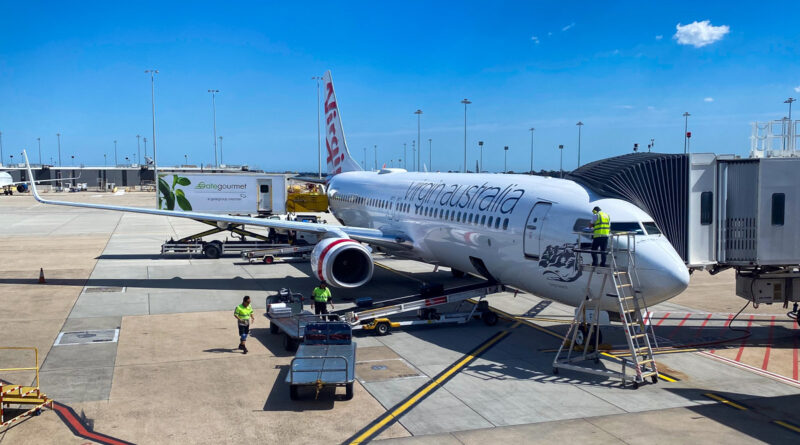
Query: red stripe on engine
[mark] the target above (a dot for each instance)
(325, 252)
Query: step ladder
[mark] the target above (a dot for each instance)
(582, 342)
(30, 397)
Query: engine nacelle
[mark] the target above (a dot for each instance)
(342, 262)
(22, 188)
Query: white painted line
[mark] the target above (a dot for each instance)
(752, 369)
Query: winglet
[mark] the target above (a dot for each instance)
(30, 177)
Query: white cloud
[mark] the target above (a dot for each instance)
(651, 108)
(568, 27)
(549, 34)
(708, 99)
(797, 89)
(699, 34)
(659, 37)
(626, 107)
(535, 39)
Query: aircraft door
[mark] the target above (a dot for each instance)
(533, 229)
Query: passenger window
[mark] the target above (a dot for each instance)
(497, 223)
(505, 224)
(469, 218)
(490, 222)
(778, 208)
(483, 219)
(580, 224)
(706, 208)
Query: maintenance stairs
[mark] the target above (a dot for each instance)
(30, 397)
(583, 339)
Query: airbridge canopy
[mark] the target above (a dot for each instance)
(655, 182)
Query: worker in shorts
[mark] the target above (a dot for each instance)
(321, 296)
(244, 317)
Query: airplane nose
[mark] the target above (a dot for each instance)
(662, 273)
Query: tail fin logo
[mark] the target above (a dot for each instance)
(338, 159)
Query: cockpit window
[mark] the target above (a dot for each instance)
(627, 227)
(651, 227)
(581, 224)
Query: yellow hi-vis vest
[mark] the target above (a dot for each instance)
(321, 295)
(602, 227)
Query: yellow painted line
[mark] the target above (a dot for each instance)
(402, 274)
(787, 425)
(725, 401)
(367, 435)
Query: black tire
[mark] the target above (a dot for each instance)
(580, 337)
(555, 371)
(382, 328)
(212, 251)
(654, 379)
(635, 385)
(293, 393)
(273, 328)
(269, 259)
(348, 391)
(457, 273)
(490, 318)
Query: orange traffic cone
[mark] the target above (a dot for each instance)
(41, 276)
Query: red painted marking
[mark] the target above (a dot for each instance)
(697, 334)
(675, 331)
(794, 353)
(730, 318)
(79, 429)
(769, 344)
(647, 318)
(662, 319)
(325, 252)
(744, 341)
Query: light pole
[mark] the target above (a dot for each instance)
(58, 135)
(685, 132)
(579, 124)
(72, 162)
(465, 102)
(532, 130)
(405, 157)
(480, 145)
(220, 151)
(214, 113)
(1, 149)
(430, 155)
(505, 159)
(115, 153)
(561, 163)
(145, 150)
(138, 149)
(153, 108)
(791, 127)
(414, 155)
(39, 140)
(365, 158)
(319, 135)
(376, 157)
(651, 145)
(105, 160)
(419, 154)
(186, 160)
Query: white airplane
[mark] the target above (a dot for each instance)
(8, 185)
(516, 229)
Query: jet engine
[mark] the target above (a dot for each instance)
(22, 188)
(342, 262)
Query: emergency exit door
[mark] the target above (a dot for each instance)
(265, 195)
(533, 230)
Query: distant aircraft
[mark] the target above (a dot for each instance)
(518, 230)
(8, 185)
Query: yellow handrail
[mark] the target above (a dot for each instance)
(24, 348)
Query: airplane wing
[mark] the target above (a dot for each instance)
(366, 235)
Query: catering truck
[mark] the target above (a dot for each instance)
(223, 193)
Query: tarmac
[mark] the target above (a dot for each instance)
(157, 361)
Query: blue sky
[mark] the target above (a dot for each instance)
(77, 68)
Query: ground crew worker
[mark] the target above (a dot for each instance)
(244, 317)
(601, 228)
(322, 296)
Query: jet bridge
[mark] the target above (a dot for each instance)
(718, 212)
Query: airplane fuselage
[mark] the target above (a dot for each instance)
(519, 229)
